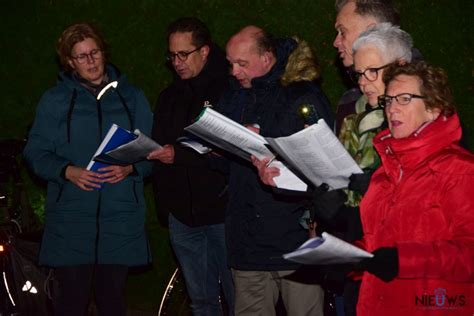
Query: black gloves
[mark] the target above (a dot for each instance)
(384, 264)
(360, 182)
(326, 204)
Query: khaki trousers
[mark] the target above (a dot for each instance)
(256, 293)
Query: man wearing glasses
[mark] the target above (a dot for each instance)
(353, 18)
(190, 197)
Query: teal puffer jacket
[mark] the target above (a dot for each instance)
(84, 227)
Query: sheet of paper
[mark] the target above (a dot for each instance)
(225, 133)
(115, 137)
(318, 155)
(194, 144)
(136, 150)
(327, 249)
(229, 135)
(287, 179)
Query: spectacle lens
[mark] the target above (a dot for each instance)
(182, 56)
(402, 99)
(93, 54)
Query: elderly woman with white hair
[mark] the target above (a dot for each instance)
(374, 50)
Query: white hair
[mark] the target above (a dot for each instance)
(394, 43)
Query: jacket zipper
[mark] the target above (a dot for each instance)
(97, 226)
(60, 193)
(98, 211)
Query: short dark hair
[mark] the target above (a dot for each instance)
(265, 42)
(200, 32)
(74, 34)
(433, 84)
(381, 10)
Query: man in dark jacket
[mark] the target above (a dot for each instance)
(190, 197)
(273, 78)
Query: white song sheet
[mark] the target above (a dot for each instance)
(227, 134)
(137, 149)
(318, 155)
(327, 249)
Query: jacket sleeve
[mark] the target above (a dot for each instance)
(182, 156)
(40, 150)
(451, 259)
(143, 121)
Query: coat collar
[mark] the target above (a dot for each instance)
(216, 66)
(294, 61)
(112, 72)
(409, 153)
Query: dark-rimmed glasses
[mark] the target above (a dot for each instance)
(371, 74)
(93, 54)
(183, 56)
(386, 100)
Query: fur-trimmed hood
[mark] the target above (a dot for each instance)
(301, 64)
(295, 62)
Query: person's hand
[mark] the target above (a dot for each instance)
(253, 127)
(114, 174)
(359, 182)
(327, 203)
(265, 173)
(384, 264)
(83, 178)
(164, 154)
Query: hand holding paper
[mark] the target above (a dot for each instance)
(239, 140)
(266, 172)
(164, 154)
(122, 147)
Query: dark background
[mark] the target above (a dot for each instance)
(135, 31)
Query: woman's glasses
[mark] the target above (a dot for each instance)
(386, 100)
(371, 74)
(93, 55)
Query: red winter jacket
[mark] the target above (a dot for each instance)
(421, 201)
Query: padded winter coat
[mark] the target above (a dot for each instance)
(85, 227)
(421, 201)
(262, 225)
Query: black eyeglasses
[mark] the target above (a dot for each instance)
(385, 100)
(93, 54)
(370, 74)
(183, 56)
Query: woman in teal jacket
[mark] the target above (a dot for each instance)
(94, 225)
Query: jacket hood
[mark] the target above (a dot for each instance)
(217, 64)
(295, 62)
(408, 153)
(301, 64)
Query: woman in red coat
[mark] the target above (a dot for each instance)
(418, 214)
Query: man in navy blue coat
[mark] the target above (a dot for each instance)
(272, 78)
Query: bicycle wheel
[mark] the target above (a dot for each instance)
(175, 300)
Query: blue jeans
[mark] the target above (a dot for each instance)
(201, 252)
